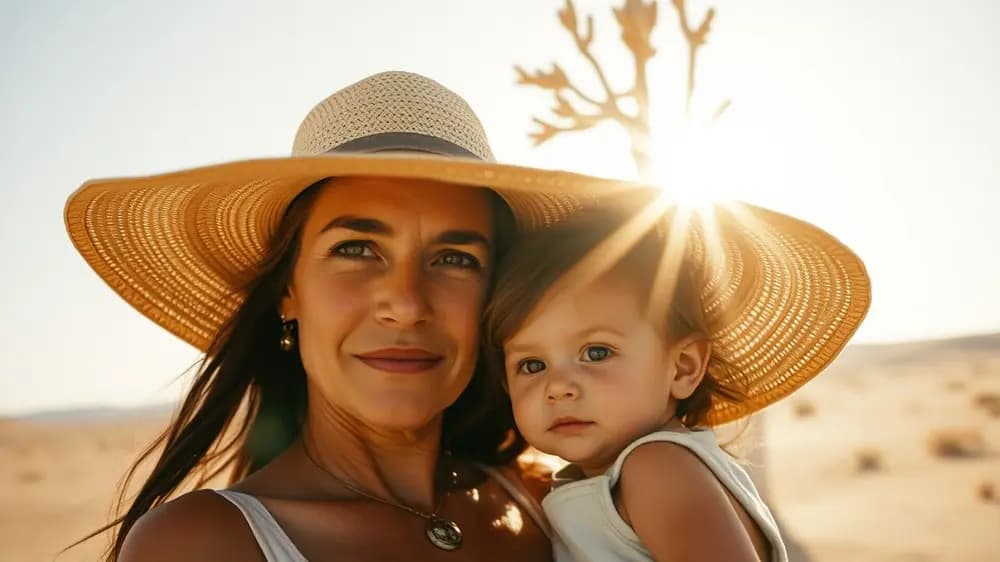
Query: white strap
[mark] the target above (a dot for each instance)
(271, 538)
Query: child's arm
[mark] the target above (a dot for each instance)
(678, 509)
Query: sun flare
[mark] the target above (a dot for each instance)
(692, 165)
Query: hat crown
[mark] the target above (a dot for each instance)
(391, 102)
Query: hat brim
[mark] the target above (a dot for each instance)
(177, 246)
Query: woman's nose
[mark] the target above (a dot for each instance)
(402, 300)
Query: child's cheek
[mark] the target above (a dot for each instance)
(527, 404)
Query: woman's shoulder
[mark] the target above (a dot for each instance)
(199, 525)
(534, 474)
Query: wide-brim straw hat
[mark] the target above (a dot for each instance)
(178, 246)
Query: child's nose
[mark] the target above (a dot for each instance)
(561, 388)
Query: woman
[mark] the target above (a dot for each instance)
(337, 297)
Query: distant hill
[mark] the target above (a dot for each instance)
(95, 414)
(926, 352)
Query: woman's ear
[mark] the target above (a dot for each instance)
(288, 307)
(690, 358)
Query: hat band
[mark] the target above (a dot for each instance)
(380, 142)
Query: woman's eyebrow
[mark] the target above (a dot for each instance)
(358, 224)
(463, 238)
(369, 225)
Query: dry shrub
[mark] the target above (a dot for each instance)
(868, 460)
(989, 401)
(29, 476)
(955, 385)
(804, 409)
(986, 491)
(956, 443)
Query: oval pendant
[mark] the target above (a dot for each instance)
(444, 533)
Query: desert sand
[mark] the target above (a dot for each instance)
(892, 454)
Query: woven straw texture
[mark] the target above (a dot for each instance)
(783, 296)
(418, 106)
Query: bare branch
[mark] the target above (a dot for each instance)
(555, 80)
(563, 108)
(637, 19)
(567, 16)
(695, 39)
(722, 108)
(549, 130)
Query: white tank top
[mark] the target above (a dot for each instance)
(277, 547)
(583, 516)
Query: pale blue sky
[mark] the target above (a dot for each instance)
(876, 120)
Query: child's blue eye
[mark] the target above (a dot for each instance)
(530, 366)
(596, 353)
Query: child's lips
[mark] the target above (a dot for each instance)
(570, 425)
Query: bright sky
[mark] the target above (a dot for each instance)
(876, 120)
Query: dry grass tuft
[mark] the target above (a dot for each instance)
(986, 491)
(868, 460)
(956, 443)
(804, 409)
(955, 385)
(29, 476)
(989, 401)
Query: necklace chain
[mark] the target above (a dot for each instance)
(442, 533)
(373, 497)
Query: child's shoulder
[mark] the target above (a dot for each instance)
(666, 485)
(668, 475)
(658, 462)
(666, 446)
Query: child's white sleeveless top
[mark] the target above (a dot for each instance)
(583, 516)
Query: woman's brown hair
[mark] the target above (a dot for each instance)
(535, 264)
(247, 402)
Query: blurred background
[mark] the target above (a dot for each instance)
(875, 120)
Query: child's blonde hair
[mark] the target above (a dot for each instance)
(537, 262)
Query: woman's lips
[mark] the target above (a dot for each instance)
(400, 360)
(570, 425)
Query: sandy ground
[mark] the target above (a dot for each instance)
(885, 457)
(893, 464)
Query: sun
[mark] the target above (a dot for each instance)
(692, 167)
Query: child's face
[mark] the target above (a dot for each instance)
(588, 373)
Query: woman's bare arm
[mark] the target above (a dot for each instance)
(199, 526)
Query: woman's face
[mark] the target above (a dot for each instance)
(387, 289)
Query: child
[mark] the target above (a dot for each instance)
(602, 376)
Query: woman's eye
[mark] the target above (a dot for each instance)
(353, 249)
(459, 259)
(530, 366)
(595, 353)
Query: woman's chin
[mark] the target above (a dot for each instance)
(404, 413)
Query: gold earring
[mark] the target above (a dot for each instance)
(287, 341)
